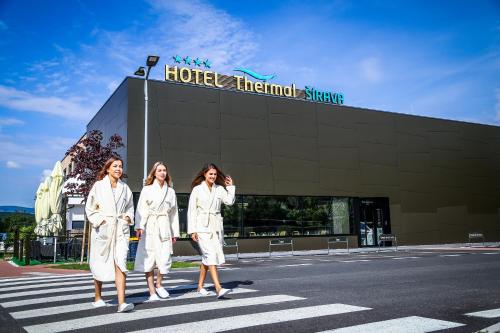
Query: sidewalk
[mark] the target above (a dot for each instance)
(464, 247)
(10, 270)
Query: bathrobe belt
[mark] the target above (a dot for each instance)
(152, 217)
(112, 220)
(213, 222)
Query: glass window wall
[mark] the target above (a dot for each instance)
(280, 216)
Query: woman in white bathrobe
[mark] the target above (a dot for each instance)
(211, 188)
(157, 227)
(110, 210)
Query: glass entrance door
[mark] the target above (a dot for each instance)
(373, 220)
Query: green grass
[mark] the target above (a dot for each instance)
(130, 265)
(23, 263)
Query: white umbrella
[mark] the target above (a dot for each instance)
(38, 212)
(45, 208)
(55, 198)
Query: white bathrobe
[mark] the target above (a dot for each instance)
(109, 240)
(205, 219)
(158, 216)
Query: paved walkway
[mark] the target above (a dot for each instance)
(9, 270)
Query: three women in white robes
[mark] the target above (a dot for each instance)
(210, 189)
(110, 210)
(157, 227)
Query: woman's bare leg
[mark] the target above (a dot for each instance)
(203, 275)
(98, 289)
(120, 284)
(150, 282)
(215, 277)
(159, 279)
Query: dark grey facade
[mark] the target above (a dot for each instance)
(439, 179)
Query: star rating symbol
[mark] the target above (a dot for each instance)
(188, 60)
(177, 59)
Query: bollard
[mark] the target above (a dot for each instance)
(27, 244)
(16, 243)
(21, 248)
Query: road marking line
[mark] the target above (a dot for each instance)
(65, 289)
(113, 318)
(54, 277)
(399, 258)
(60, 284)
(27, 283)
(262, 318)
(412, 324)
(356, 260)
(8, 281)
(494, 313)
(89, 295)
(450, 255)
(294, 265)
(87, 306)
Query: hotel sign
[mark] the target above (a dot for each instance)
(211, 78)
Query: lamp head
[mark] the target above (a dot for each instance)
(152, 60)
(140, 71)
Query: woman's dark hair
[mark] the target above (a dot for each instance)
(104, 170)
(200, 176)
(151, 175)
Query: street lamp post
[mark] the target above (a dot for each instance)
(150, 62)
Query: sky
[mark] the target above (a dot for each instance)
(61, 60)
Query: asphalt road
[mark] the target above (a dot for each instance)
(415, 291)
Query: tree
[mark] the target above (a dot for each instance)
(88, 156)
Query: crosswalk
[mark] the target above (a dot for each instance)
(53, 304)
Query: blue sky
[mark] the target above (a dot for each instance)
(60, 61)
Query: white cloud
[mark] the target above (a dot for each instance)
(371, 69)
(45, 173)
(30, 151)
(112, 86)
(226, 41)
(70, 108)
(10, 121)
(12, 165)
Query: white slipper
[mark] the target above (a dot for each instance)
(125, 307)
(153, 298)
(204, 292)
(99, 304)
(162, 292)
(223, 292)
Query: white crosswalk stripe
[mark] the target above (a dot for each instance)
(114, 318)
(26, 279)
(412, 324)
(494, 313)
(80, 281)
(67, 289)
(38, 311)
(255, 319)
(42, 282)
(87, 306)
(88, 296)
